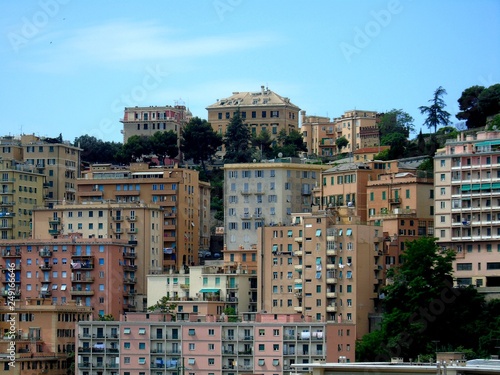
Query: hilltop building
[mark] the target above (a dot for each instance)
(260, 110)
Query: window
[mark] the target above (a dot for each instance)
(262, 332)
(142, 331)
(142, 360)
(126, 331)
(211, 347)
(262, 347)
(142, 345)
(211, 361)
(126, 360)
(191, 332)
(211, 332)
(126, 345)
(261, 362)
(276, 332)
(192, 346)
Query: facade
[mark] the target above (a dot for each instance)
(368, 153)
(145, 121)
(260, 110)
(267, 344)
(211, 288)
(44, 336)
(21, 190)
(99, 273)
(57, 160)
(258, 194)
(359, 127)
(139, 224)
(325, 267)
(467, 208)
(184, 199)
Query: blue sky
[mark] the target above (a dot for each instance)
(71, 66)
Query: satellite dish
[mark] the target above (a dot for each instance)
(280, 155)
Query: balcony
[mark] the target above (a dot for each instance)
(75, 254)
(117, 218)
(331, 280)
(331, 252)
(129, 280)
(297, 253)
(8, 192)
(331, 308)
(298, 267)
(45, 294)
(11, 292)
(331, 266)
(45, 267)
(298, 239)
(6, 203)
(82, 266)
(245, 216)
(55, 220)
(131, 218)
(129, 267)
(80, 292)
(45, 253)
(298, 308)
(132, 230)
(82, 279)
(396, 200)
(54, 232)
(118, 230)
(11, 253)
(185, 286)
(129, 255)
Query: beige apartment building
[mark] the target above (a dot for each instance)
(398, 200)
(182, 197)
(137, 223)
(21, 190)
(359, 127)
(146, 121)
(260, 110)
(266, 193)
(57, 160)
(324, 266)
(44, 336)
(467, 207)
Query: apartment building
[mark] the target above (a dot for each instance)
(95, 272)
(57, 160)
(21, 190)
(267, 344)
(467, 207)
(324, 266)
(44, 336)
(260, 110)
(137, 223)
(145, 121)
(207, 290)
(359, 127)
(258, 194)
(398, 200)
(184, 199)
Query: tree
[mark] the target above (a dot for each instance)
(165, 306)
(395, 121)
(289, 145)
(489, 100)
(199, 142)
(469, 107)
(237, 141)
(163, 145)
(436, 115)
(98, 151)
(421, 143)
(341, 142)
(106, 318)
(263, 143)
(136, 147)
(398, 143)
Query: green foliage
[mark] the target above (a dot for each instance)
(230, 312)
(237, 141)
(106, 318)
(494, 124)
(469, 107)
(199, 142)
(427, 165)
(341, 142)
(289, 144)
(163, 145)
(424, 312)
(165, 306)
(98, 151)
(395, 121)
(489, 100)
(398, 143)
(263, 144)
(382, 155)
(136, 147)
(436, 115)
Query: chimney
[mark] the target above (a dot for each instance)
(262, 89)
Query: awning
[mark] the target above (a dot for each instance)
(208, 290)
(476, 187)
(348, 232)
(465, 187)
(318, 232)
(485, 186)
(298, 286)
(495, 185)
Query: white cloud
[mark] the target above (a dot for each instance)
(124, 42)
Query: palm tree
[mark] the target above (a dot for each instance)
(436, 115)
